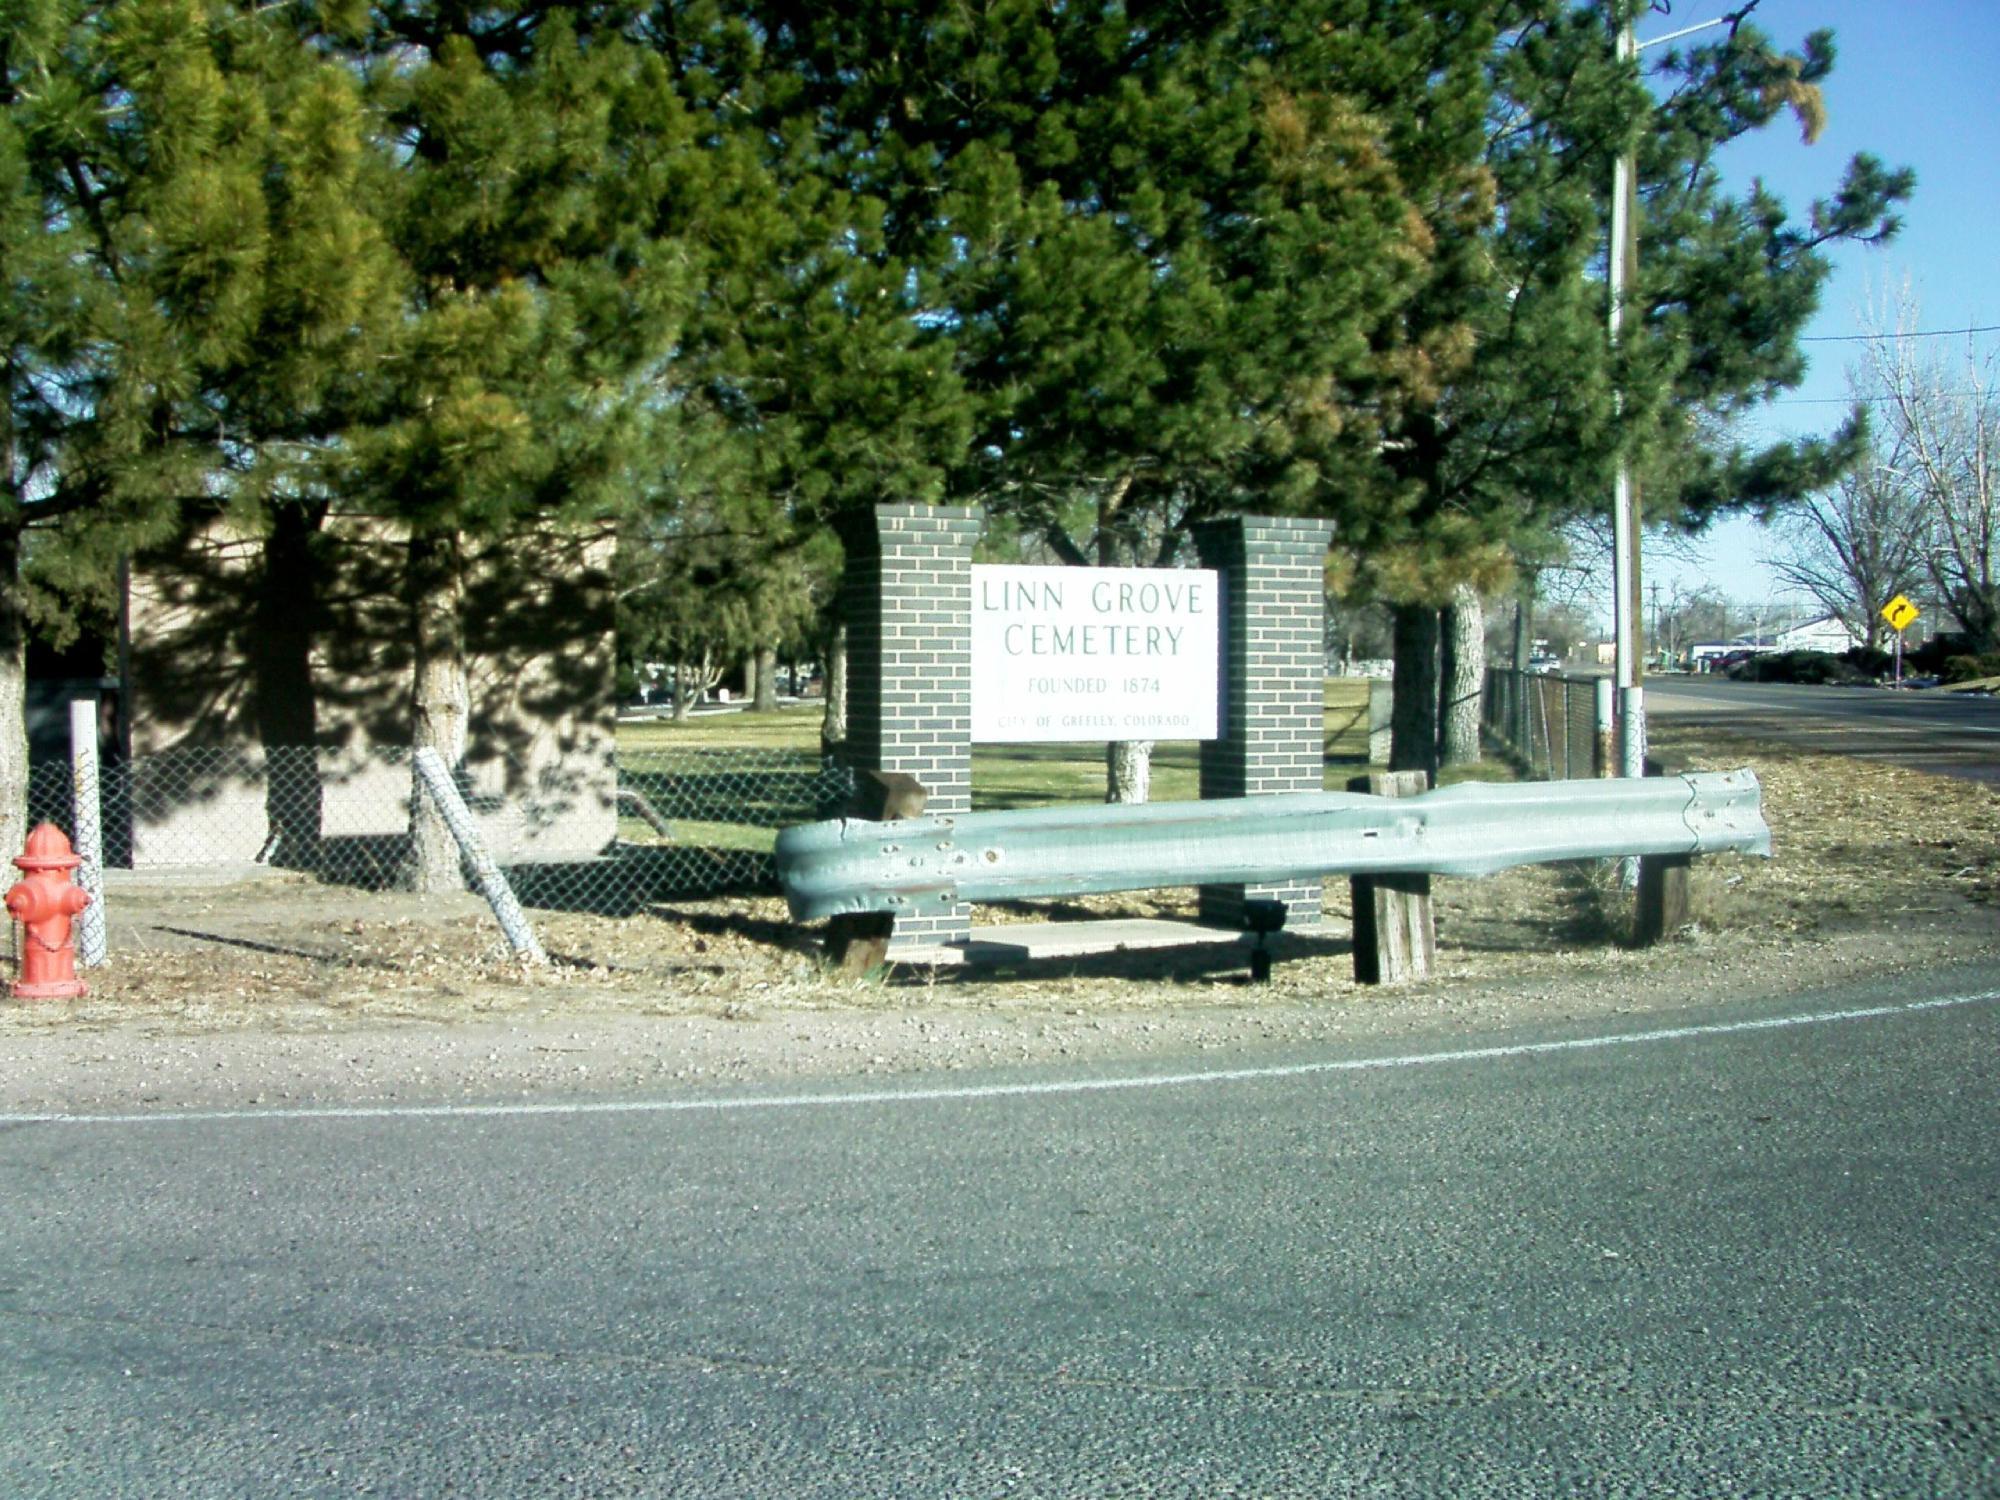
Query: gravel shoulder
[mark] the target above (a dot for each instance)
(278, 991)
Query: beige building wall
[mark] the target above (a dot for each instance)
(539, 770)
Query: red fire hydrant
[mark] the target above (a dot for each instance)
(43, 903)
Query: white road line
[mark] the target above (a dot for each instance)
(996, 1090)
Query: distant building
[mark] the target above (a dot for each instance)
(1824, 634)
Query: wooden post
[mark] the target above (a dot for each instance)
(1662, 900)
(857, 942)
(1663, 897)
(1395, 938)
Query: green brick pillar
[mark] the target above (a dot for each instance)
(907, 599)
(1273, 721)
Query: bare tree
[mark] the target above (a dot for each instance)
(1855, 547)
(1690, 617)
(1943, 421)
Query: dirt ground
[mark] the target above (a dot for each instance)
(277, 988)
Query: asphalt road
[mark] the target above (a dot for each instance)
(1955, 734)
(1751, 1253)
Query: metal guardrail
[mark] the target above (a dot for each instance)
(906, 867)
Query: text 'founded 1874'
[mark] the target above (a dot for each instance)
(1094, 653)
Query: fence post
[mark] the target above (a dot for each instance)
(1524, 718)
(1381, 706)
(89, 828)
(1547, 767)
(1496, 707)
(1569, 733)
(436, 779)
(1607, 732)
(1395, 937)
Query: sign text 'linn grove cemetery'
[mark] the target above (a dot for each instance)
(1063, 653)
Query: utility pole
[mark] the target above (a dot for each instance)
(1622, 266)
(1623, 269)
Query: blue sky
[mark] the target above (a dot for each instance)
(1916, 83)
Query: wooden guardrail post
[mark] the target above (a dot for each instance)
(857, 942)
(1662, 900)
(1663, 897)
(1395, 937)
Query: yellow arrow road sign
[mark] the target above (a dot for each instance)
(1900, 613)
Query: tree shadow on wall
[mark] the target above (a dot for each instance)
(299, 645)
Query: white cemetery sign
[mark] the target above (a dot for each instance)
(1063, 653)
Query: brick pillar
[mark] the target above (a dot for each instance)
(907, 598)
(1274, 673)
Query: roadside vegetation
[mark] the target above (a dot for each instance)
(1943, 661)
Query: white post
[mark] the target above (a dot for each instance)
(1623, 265)
(89, 843)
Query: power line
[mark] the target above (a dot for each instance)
(1857, 400)
(1914, 333)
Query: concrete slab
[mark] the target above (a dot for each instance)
(1023, 941)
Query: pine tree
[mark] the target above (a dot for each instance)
(1155, 239)
(1526, 421)
(541, 300)
(194, 281)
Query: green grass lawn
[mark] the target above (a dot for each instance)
(786, 729)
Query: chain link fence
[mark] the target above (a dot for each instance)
(643, 826)
(1549, 720)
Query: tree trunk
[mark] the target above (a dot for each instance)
(833, 728)
(1128, 775)
(441, 701)
(685, 692)
(1461, 677)
(1413, 726)
(13, 696)
(286, 701)
(765, 696)
(1128, 766)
